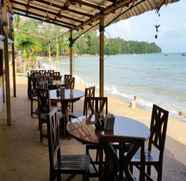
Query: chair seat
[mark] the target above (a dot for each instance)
(76, 115)
(150, 157)
(35, 98)
(43, 116)
(74, 163)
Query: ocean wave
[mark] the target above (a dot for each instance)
(113, 90)
(142, 103)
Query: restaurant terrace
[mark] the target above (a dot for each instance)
(110, 146)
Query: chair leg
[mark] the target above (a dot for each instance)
(85, 177)
(52, 177)
(31, 107)
(159, 172)
(41, 133)
(41, 138)
(149, 170)
(131, 168)
(58, 177)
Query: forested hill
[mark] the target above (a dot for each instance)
(89, 45)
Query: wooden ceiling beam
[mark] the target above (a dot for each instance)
(66, 5)
(80, 2)
(109, 9)
(62, 7)
(49, 12)
(44, 17)
(41, 19)
(28, 4)
(88, 4)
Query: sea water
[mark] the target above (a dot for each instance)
(152, 78)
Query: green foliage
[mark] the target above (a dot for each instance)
(34, 38)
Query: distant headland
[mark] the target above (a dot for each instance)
(89, 44)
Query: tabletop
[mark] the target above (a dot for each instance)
(124, 127)
(69, 94)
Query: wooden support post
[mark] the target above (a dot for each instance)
(49, 51)
(13, 70)
(6, 60)
(71, 52)
(3, 82)
(13, 64)
(101, 57)
(7, 79)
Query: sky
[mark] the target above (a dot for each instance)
(172, 31)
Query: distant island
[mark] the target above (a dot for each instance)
(89, 44)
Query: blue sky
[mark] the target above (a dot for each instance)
(172, 31)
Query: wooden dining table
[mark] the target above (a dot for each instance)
(124, 128)
(70, 96)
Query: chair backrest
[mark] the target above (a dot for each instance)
(66, 77)
(97, 105)
(70, 83)
(42, 83)
(42, 71)
(89, 92)
(43, 101)
(53, 131)
(33, 86)
(50, 71)
(158, 128)
(56, 76)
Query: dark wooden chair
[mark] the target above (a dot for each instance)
(69, 83)
(33, 96)
(43, 110)
(95, 105)
(156, 143)
(67, 77)
(89, 92)
(38, 83)
(116, 166)
(63, 164)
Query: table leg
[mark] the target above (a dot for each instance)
(64, 109)
(142, 169)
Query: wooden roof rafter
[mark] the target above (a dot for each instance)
(79, 2)
(62, 7)
(28, 5)
(49, 12)
(41, 19)
(85, 3)
(110, 9)
(71, 26)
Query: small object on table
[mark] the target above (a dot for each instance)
(109, 122)
(58, 92)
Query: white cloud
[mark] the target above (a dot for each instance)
(172, 20)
